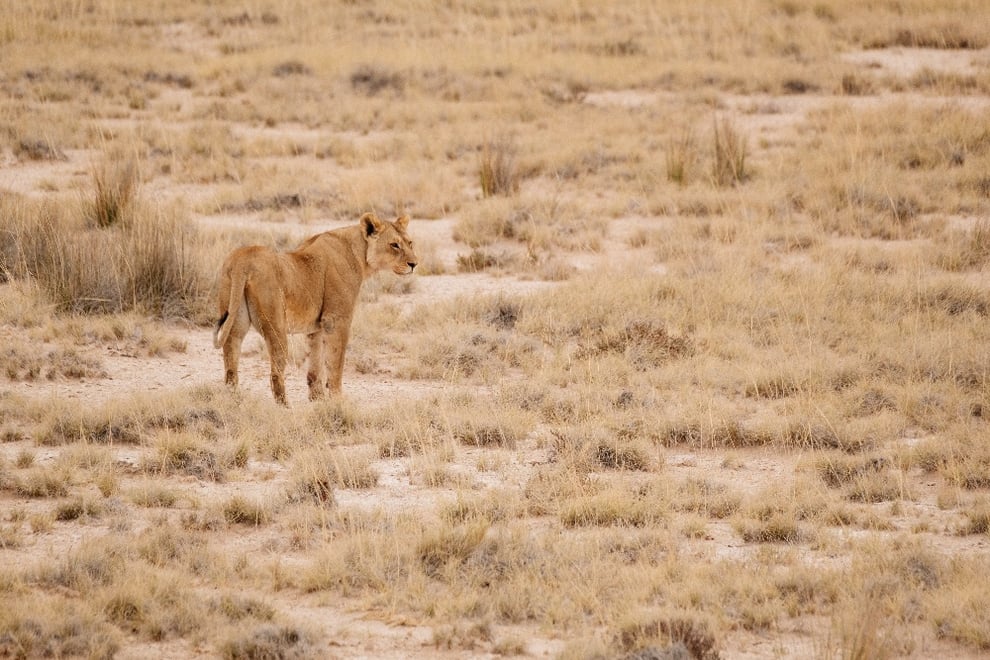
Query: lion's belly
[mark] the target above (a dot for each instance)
(301, 321)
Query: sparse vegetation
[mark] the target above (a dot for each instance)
(693, 364)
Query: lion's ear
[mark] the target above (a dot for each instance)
(371, 224)
(402, 222)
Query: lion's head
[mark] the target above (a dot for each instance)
(389, 247)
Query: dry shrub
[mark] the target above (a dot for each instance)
(498, 507)
(775, 386)
(38, 149)
(188, 454)
(195, 415)
(552, 488)
(479, 423)
(977, 520)
(954, 297)
(146, 260)
(876, 487)
(409, 428)
(253, 642)
(781, 527)
(153, 495)
(449, 545)
(943, 35)
(372, 80)
(240, 510)
(859, 631)
(77, 508)
(672, 635)
(479, 260)
(707, 498)
(840, 469)
(314, 479)
(971, 470)
(162, 267)
(462, 636)
(43, 482)
(334, 418)
(153, 605)
(811, 434)
(54, 627)
(960, 609)
(710, 433)
(94, 562)
(490, 220)
(624, 455)
(11, 538)
(645, 343)
(615, 508)
(965, 250)
(318, 472)
(372, 553)
(21, 361)
(878, 172)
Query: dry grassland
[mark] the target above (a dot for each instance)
(695, 363)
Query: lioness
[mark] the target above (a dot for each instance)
(311, 290)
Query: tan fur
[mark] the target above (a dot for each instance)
(311, 290)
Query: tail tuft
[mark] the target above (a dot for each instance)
(216, 330)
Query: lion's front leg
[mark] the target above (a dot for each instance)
(316, 376)
(337, 335)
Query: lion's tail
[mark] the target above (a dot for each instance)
(231, 308)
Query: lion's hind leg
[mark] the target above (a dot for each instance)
(273, 328)
(232, 346)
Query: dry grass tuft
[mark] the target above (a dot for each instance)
(115, 184)
(449, 546)
(147, 260)
(626, 455)
(497, 170)
(184, 453)
(56, 627)
(373, 80)
(268, 641)
(674, 635)
(840, 469)
(704, 497)
(615, 508)
(682, 157)
(240, 510)
(43, 482)
(977, 520)
(645, 343)
(781, 527)
(24, 362)
(730, 153)
(319, 472)
(78, 508)
(948, 35)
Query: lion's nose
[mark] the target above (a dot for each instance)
(412, 265)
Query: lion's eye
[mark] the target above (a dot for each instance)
(395, 246)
